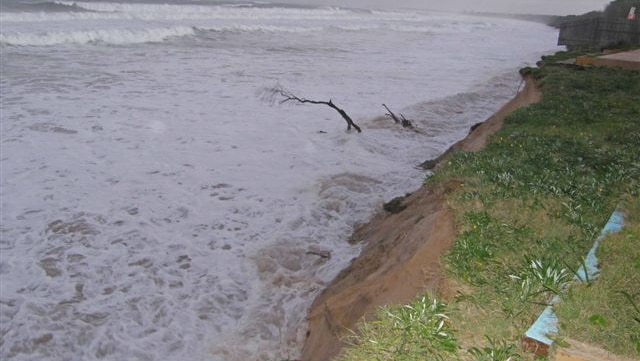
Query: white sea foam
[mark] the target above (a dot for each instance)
(130, 23)
(150, 12)
(111, 36)
(128, 11)
(159, 34)
(154, 208)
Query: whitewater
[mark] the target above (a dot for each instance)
(155, 206)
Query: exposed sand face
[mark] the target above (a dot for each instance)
(401, 258)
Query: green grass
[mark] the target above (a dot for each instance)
(415, 332)
(530, 208)
(495, 351)
(606, 312)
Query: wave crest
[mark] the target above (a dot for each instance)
(113, 36)
(149, 12)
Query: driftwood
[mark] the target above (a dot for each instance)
(287, 96)
(406, 123)
(320, 253)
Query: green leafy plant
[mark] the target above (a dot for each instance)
(495, 351)
(541, 276)
(418, 331)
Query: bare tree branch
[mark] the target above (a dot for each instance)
(406, 123)
(285, 96)
(391, 114)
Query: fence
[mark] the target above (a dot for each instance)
(599, 32)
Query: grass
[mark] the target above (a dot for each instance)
(530, 207)
(606, 312)
(414, 332)
(495, 351)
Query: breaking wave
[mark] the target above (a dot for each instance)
(161, 34)
(67, 10)
(128, 11)
(112, 36)
(65, 22)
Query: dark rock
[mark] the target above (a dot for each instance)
(395, 205)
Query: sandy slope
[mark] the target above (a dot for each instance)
(401, 256)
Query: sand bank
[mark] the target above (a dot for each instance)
(401, 254)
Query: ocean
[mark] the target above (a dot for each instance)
(156, 206)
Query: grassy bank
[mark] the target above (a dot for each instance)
(528, 209)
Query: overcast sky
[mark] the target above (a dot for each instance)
(552, 7)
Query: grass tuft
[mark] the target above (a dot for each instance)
(418, 331)
(495, 351)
